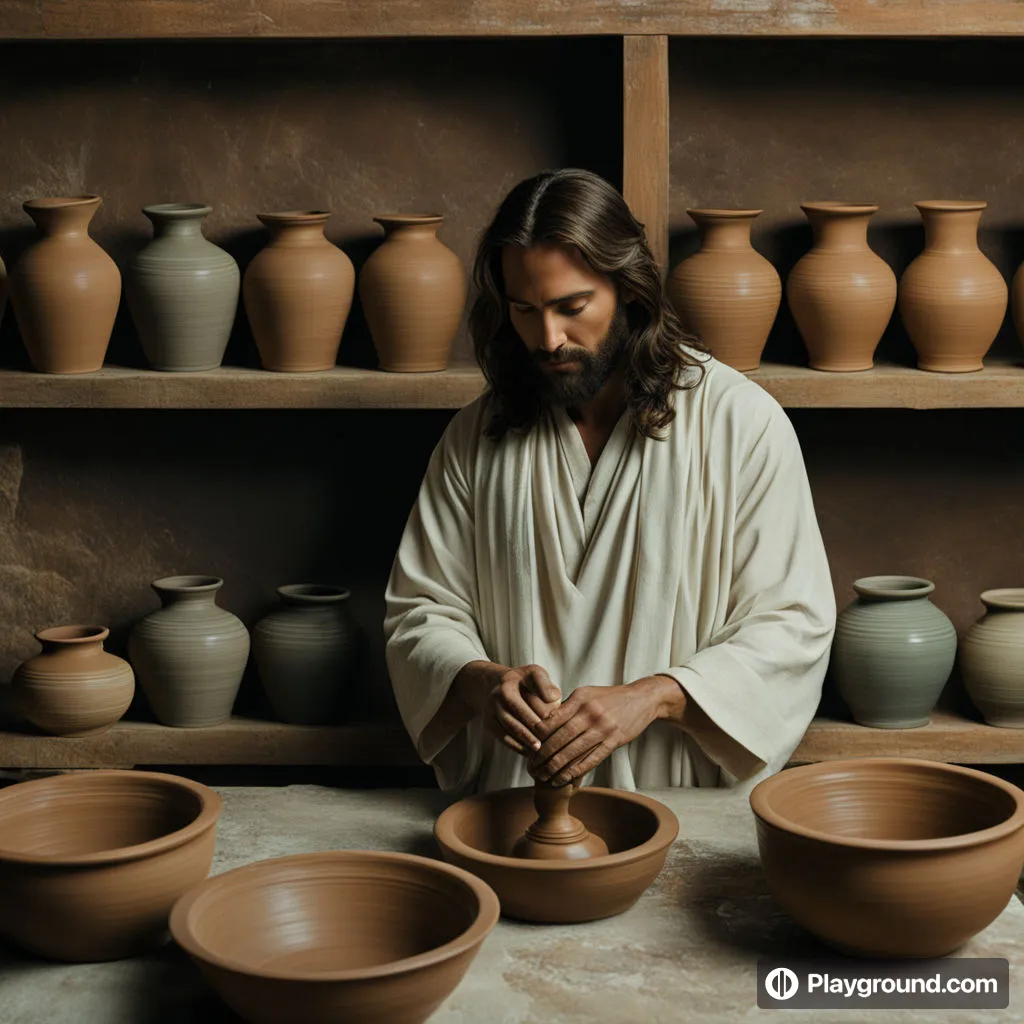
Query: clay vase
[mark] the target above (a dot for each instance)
(297, 293)
(74, 687)
(893, 652)
(952, 299)
(65, 289)
(841, 293)
(182, 291)
(991, 659)
(190, 654)
(413, 290)
(556, 834)
(305, 652)
(727, 293)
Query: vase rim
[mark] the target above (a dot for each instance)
(723, 212)
(295, 217)
(409, 218)
(894, 588)
(194, 584)
(60, 202)
(74, 634)
(1005, 598)
(315, 592)
(961, 205)
(839, 207)
(178, 210)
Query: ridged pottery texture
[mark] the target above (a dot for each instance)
(413, 290)
(347, 936)
(952, 298)
(182, 291)
(298, 293)
(890, 857)
(305, 652)
(727, 293)
(189, 655)
(992, 659)
(65, 289)
(841, 293)
(74, 687)
(893, 652)
(91, 863)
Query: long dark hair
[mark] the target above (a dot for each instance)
(578, 208)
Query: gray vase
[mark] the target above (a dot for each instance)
(305, 652)
(182, 291)
(992, 659)
(189, 655)
(893, 652)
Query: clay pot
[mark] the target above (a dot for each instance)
(413, 290)
(65, 289)
(182, 291)
(557, 834)
(298, 294)
(892, 652)
(189, 655)
(305, 652)
(952, 298)
(365, 938)
(890, 857)
(727, 293)
(992, 659)
(91, 863)
(480, 834)
(74, 687)
(841, 293)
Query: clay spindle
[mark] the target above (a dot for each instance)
(556, 834)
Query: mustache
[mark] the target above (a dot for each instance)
(562, 355)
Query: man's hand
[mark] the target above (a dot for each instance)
(595, 720)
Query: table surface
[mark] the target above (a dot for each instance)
(687, 950)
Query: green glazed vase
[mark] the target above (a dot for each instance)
(992, 659)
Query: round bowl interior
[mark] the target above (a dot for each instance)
(334, 916)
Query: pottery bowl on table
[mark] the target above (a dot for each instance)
(353, 936)
(890, 857)
(479, 833)
(92, 863)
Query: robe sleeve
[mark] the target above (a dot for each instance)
(430, 630)
(759, 678)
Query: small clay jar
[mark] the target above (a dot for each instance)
(298, 293)
(65, 289)
(841, 293)
(73, 687)
(893, 652)
(727, 293)
(991, 659)
(556, 834)
(305, 652)
(952, 298)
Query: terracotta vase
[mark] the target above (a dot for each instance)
(841, 293)
(74, 687)
(893, 652)
(189, 655)
(952, 299)
(182, 291)
(298, 293)
(727, 293)
(413, 290)
(65, 289)
(305, 652)
(1017, 296)
(556, 834)
(991, 659)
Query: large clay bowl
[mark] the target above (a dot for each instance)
(91, 863)
(890, 857)
(478, 834)
(350, 936)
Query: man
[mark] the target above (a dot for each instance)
(613, 573)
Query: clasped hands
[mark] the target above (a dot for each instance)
(564, 740)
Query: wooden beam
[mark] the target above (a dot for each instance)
(645, 170)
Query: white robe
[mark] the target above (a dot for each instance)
(698, 557)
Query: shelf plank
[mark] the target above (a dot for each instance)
(298, 19)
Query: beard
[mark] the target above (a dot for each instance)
(565, 388)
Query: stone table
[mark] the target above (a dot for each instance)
(687, 951)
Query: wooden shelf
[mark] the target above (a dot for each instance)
(298, 19)
(1000, 385)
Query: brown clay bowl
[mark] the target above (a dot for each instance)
(890, 857)
(91, 863)
(342, 936)
(478, 834)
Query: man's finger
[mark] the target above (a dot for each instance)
(560, 738)
(511, 726)
(562, 714)
(570, 753)
(514, 744)
(540, 682)
(517, 706)
(578, 768)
